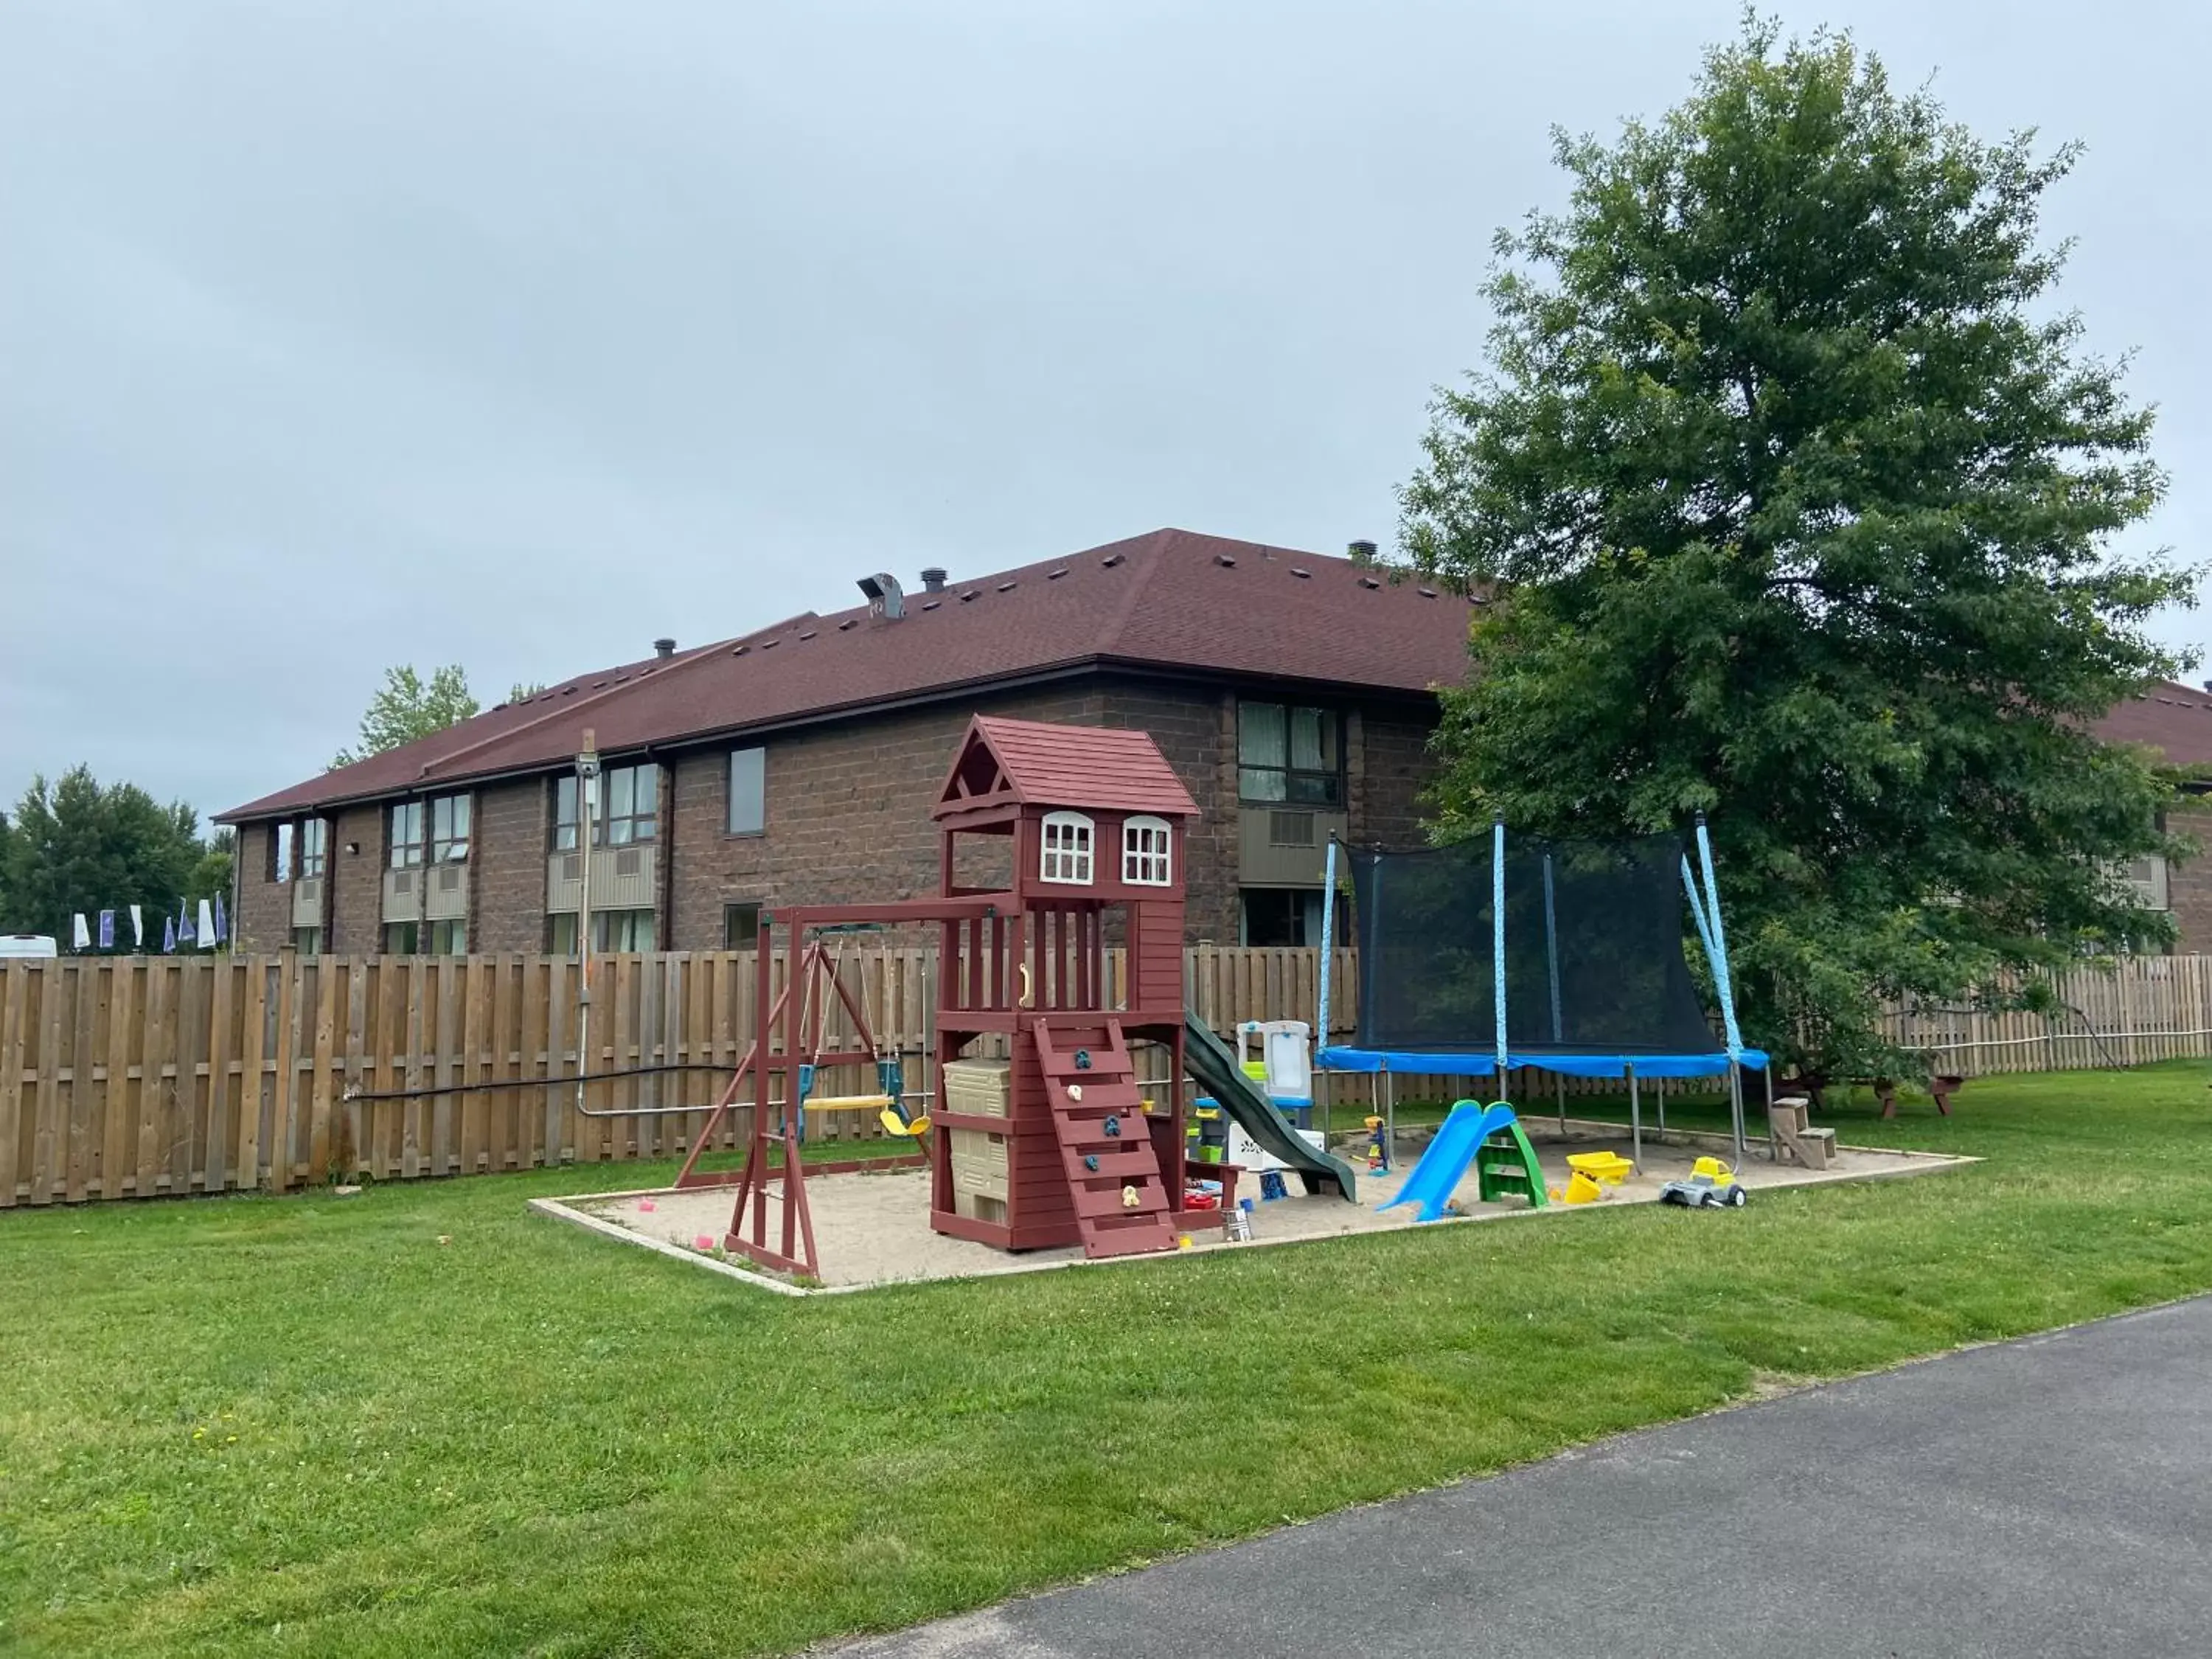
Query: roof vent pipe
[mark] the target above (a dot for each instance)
(1363, 552)
(886, 599)
(933, 579)
(663, 646)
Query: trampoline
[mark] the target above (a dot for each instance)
(1562, 956)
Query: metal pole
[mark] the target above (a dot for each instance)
(1773, 1150)
(1328, 943)
(1559, 1081)
(1497, 935)
(1735, 1105)
(1551, 952)
(1635, 1124)
(1390, 1121)
(587, 797)
(1662, 1108)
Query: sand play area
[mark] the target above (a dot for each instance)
(872, 1227)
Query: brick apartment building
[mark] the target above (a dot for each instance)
(1294, 693)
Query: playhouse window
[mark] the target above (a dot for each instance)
(1067, 847)
(1146, 859)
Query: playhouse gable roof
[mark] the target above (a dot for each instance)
(1034, 764)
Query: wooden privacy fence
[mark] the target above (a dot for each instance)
(130, 1077)
(125, 1077)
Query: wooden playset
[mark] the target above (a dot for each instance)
(1052, 1144)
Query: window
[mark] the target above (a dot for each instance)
(449, 939)
(1067, 847)
(1288, 754)
(1146, 859)
(622, 930)
(307, 941)
(629, 798)
(747, 792)
(407, 843)
(280, 852)
(612, 930)
(1279, 915)
(400, 938)
(2144, 881)
(632, 795)
(449, 829)
(314, 843)
(740, 926)
(564, 819)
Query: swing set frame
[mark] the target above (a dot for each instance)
(799, 1013)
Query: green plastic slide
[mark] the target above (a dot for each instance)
(1213, 1063)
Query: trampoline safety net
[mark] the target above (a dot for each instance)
(1594, 946)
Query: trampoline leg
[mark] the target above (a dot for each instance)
(1662, 1106)
(1390, 1122)
(1773, 1152)
(1735, 1108)
(1561, 1081)
(1635, 1124)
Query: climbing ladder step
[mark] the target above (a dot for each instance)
(1139, 1235)
(1106, 1068)
(1113, 1166)
(1108, 1204)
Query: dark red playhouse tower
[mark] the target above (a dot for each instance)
(1051, 1143)
(1095, 820)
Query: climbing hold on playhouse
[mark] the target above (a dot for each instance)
(1111, 1128)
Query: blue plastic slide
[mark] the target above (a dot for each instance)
(1444, 1164)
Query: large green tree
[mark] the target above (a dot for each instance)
(77, 846)
(406, 706)
(1797, 495)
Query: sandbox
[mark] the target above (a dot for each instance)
(872, 1227)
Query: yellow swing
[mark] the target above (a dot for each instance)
(884, 1102)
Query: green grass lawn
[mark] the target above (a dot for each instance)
(423, 1421)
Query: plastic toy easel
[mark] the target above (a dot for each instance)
(1286, 1059)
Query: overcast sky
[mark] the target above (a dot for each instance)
(516, 332)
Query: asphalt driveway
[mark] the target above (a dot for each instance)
(2051, 1496)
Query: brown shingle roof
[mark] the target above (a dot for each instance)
(2174, 719)
(1102, 767)
(1169, 599)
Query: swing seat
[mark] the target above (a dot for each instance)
(849, 1103)
(895, 1125)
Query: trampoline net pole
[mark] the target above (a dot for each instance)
(1552, 949)
(1327, 942)
(1497, 933)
